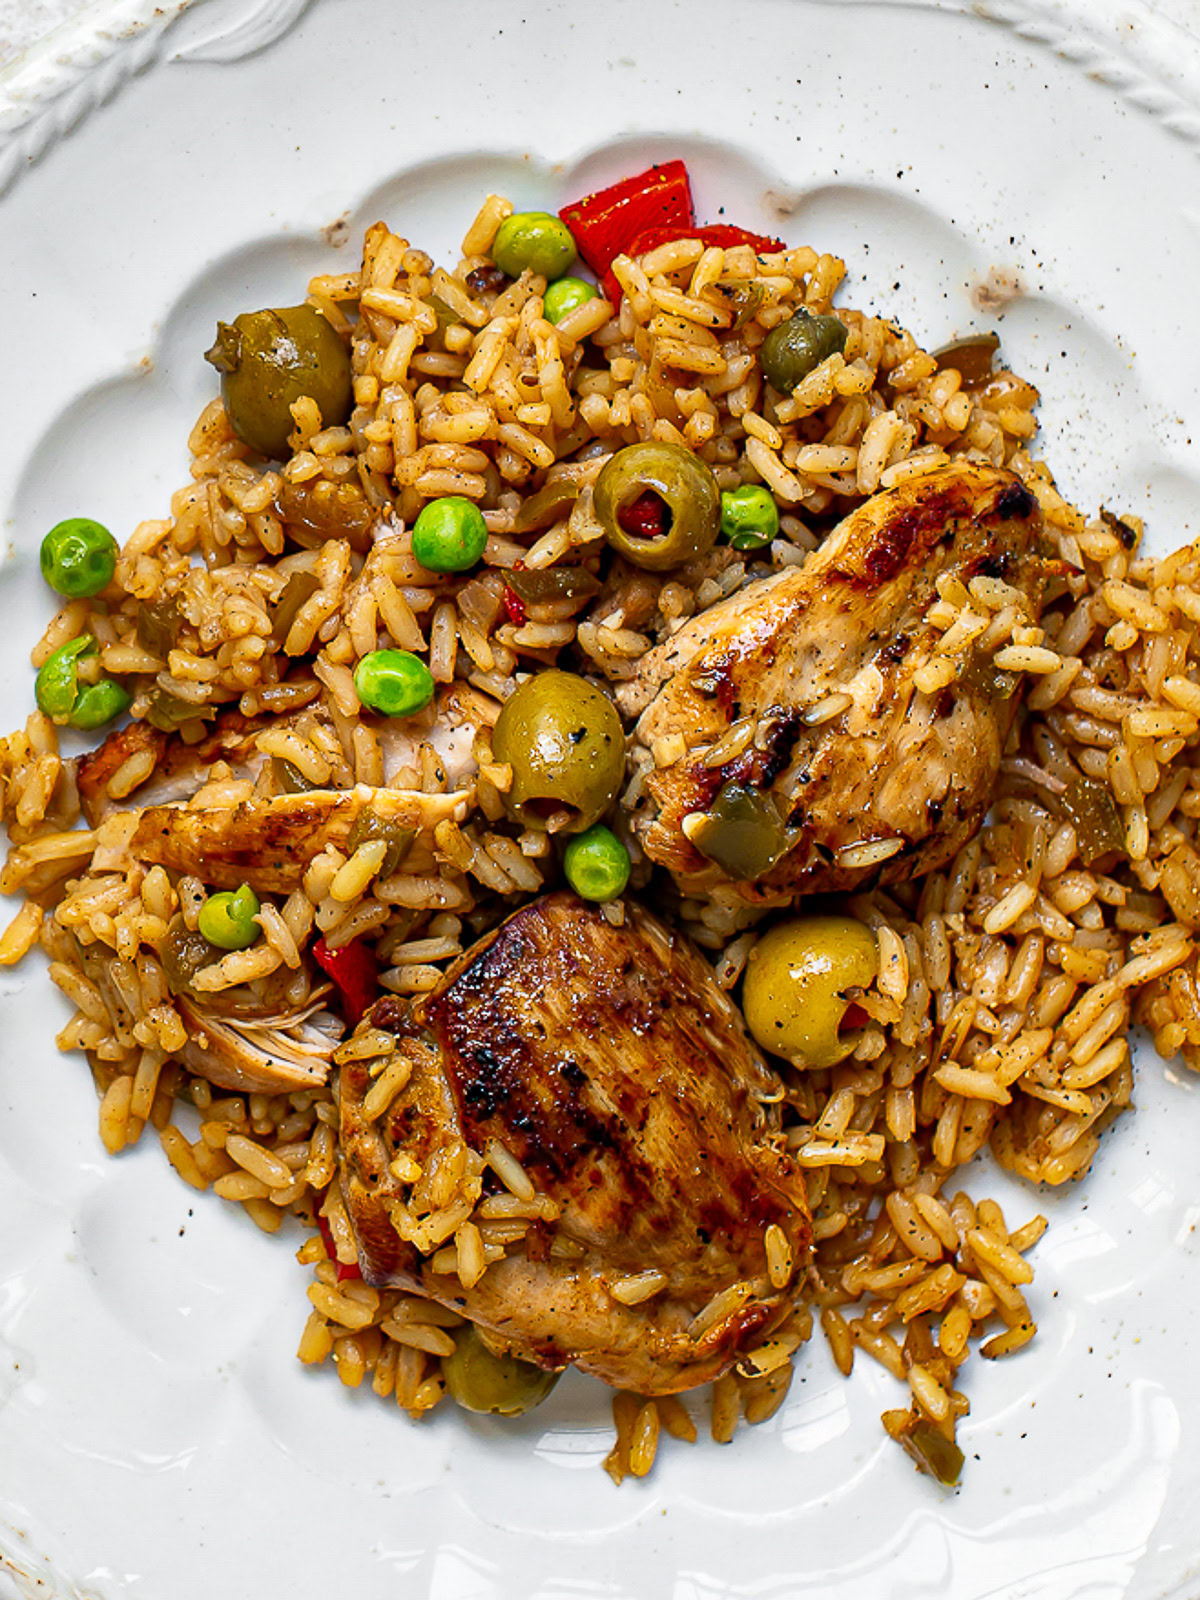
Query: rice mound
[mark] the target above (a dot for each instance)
(1007, 982)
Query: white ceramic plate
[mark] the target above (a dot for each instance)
(1030, 166)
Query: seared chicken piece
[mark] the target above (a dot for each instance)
(268, 840)
(180, 769)
(807, 678)
(95, 768)
(609, 1063)
(255, 1039)
(269, 843)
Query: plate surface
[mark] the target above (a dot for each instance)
(1034, 169)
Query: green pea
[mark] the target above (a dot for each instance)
(57, 685)
(98, 703)
(749, 516)
(227, 919)
(533, 240)
(566, 295)
(59, 695)
(78, 557)
(449, 534)
(597, 864)
(393, 682)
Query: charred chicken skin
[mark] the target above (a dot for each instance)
(807, 678)
(608, 1062)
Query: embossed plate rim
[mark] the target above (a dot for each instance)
(68, 92)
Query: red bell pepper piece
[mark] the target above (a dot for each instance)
(604, 224)
(352, 968)
(345, 1269)
(514, 606)
(644, 518)
(640, 213)
(722, 234)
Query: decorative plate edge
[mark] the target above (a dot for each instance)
(1152, 59)
(54, 87)
(50, 91)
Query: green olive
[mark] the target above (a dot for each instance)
(794, 996)
(481, 1381)
(798, 346)
(659, 504)
(270, 359)
(564, 741)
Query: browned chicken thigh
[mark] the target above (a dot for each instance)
(787, 729)
(609, 1063)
